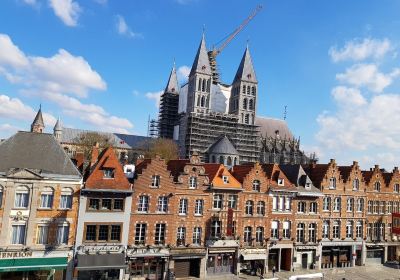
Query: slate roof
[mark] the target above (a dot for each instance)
(223, 146)
(124, 141)
(296, 174)
(269, 127)
(316, 172)
(38, 118)
(246, 71)
(37, 151)
(58, 125)
(201, 63)
(172, 85)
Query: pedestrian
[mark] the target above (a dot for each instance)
(273, 271)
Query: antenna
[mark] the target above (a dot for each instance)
(285, 113)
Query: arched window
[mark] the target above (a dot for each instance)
(229, 161)
(336, 204)
(63, 233)
(260, 235)
(221, 159)
(245, 103)
(203, 86)
(325, 229)
(198, 100)
(377, 186)
(235, 161)
(253, 90)
(251, 104)
(199, 85)
(248, 90)
(360, 205)
(249, 207)
(203, 101)
(326, 205)
(208, 85)
(261, 208)
(46, 198)
(244, 89)
(246, 119)
(350, 203)
(66, 198)
(356, 184)
(21, 197)
(208, 101)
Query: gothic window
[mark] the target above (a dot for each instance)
(203, 101)
(350, 202)
(203, 85)
(349, 229)
(208, 85)
(246, 119)
(245, 104)
(336, 229)
(248, 90)
(360, 205)
(253, 90)
(199, 85)
(208, 101)
(198, 101)
(325, 229)
(301, 206)
(244, 89)
(251, 104)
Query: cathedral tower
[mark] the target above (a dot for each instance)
(38, 124)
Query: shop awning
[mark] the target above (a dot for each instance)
(101, 262)
(32, 264)
(248, 257)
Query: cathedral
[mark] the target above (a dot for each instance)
(219, 121)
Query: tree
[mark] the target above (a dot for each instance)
(86, 140)
(165, 148)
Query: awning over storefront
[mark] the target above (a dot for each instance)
(248, 257)
(101, 262)
(8, 265)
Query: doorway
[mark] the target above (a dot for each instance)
(304, 261)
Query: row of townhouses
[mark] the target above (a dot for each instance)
(185, 218)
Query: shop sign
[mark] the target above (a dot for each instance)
(87, 249)
(187, 251)
(254, 251)
(12, 255)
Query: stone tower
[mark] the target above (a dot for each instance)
(244, 91)
(38, 124)
(57, 130)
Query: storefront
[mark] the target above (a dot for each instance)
(253, 261)
(375, 255)
(305, 257)
(187, 262)
(222, 257)
(26, 265)
(336, 256)
(148, 263)
(280, 256)
(100, 262)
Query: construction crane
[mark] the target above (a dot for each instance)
(216, 51)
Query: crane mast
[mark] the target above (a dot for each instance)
(216, 51)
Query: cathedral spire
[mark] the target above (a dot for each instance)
(201, 63)
(172, 85)
(246, 71)
(38, 124)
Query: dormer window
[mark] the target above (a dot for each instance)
(155, 181)
(281, 182)
(332, 183)
(356, 184)
(193, 182)
(108, 173)
(225, 179)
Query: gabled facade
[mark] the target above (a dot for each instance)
(104, 219)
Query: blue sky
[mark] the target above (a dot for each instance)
(100, 64)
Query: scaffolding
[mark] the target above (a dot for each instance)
(168, 114)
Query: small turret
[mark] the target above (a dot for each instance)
(38, 124)
(57, 130)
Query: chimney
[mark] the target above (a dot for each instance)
(395, 169)
(80, 158)
(95, 154)
(355, 162)
(376, 166)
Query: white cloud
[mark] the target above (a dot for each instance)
(10, 54)
(367, 75)
(359, 50)
(67, 10)
(123, 28)
(30, 2)
(183, 73)
(348, 96)
(155, 96)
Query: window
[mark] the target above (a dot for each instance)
(181, 236)
(183, 206)
(232, 201)
(275, 203)
(160, 234)
(370, 207)
(281, 182)
(332, 183)
(248, 88)
(247, 235)
(244, 89)
(349, 229)
(249, 207)
(193, 182)
(225, 179)
(143, 205)
(360, 205)
(377, 186)
(359, 229)
(288, 204)
(312, 232)
(94, 204)
(106, 204)
(216, 229)
(217, 201)
(253, 90)
(274, 229)
(140, 234)
(382, 207)
(256, 186)
(396, 189)
(261, 208)
(313, 207)
(375, 207)
(42, 234)
(326, 205)
(90, 233)
(198, 209)
(325, 229)
(336, 204)
(115, 233)
(155, 181)
(251, 104)
(1, 196)
(21, 197)
(46, 198)
(300, 232)
(246, 119)
(350, 202)
(245, 104)
(118, 204)
(301, 206)
(66, 198)
(356, 184)
(389, 207)
(18, 234)
(108, 173)
(286, 230)
(62, 234)
(197, 235)
(260, 235)
(336, 230)
(162, 205)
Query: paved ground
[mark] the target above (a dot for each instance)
(351, 273)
